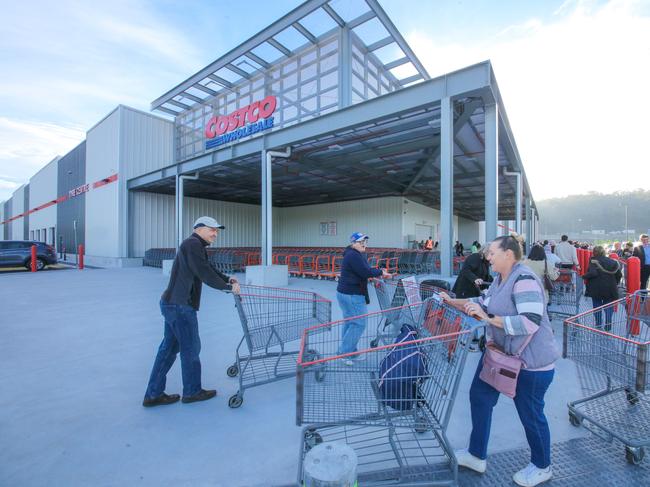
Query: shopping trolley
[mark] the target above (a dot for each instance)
(392, 296)
(612, 341)
(272, 320)
(399, 436)
(565, 298)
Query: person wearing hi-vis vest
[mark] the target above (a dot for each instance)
(517, 325)
(178, 305)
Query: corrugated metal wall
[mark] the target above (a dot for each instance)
(26, 217)
(42, 189)
(379, 218)
(103, 230)
(147, 143)
(242, 221)
(152, 222)
(7, 226)
(18, 207)
(152, 217)
(2, 218)
(71, 170)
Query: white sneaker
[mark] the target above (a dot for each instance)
(466, 459)
(531, 475)
(348, 362)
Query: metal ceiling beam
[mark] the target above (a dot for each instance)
(238, 71)
(279, 47)
(381, 43)
(410, 79)
(335, 17)
(258, 60)
(361, 19)
(303, 30)
(458, 125)
(275, 28)
(179, 104)
(397, 62)
(207, 90)
(193, 97)
(392, 30)
(218, 79)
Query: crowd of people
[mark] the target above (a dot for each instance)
(513, 307)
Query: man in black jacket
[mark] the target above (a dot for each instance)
(474, 273)
(179, 304)
(643, 253)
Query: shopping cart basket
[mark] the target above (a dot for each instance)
(613, 341)
(272, 320)
(396, 423)
(566, 296)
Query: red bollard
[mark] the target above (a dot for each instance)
(33, 262)
(633, 285)
(80, 253)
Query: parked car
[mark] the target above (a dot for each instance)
(14, 253)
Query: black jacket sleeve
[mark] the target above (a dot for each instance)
(197, 261)
(471, 266)
(592, 272)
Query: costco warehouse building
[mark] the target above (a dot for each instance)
(322, 124)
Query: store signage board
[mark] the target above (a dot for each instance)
(251, 119)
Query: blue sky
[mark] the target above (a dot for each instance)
(573, 74)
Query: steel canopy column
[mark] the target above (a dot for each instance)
(529, 224)
(179, 210)
(446, 186)
(345, 68)
(491, 171)
(267, 210)
(267, 203)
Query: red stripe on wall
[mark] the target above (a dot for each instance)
(60, 199)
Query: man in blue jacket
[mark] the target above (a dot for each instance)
(352, 291)
(179, 304)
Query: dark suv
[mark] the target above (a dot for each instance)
(14, 253)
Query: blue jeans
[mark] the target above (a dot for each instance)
(181, 334)
(352, 305)
(529, 401)
(609, 311)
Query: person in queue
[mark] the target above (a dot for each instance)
(513, 309)
(474, 272)
(602, 277)
(179, 305)
(352, 292)
(537, 261)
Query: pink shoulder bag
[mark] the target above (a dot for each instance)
(501, 370)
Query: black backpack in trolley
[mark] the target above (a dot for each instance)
(402, 371)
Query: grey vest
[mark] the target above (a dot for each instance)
(542, 350)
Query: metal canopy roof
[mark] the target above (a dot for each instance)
(307, 24)
(395, 156)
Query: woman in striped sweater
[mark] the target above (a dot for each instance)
(514, 311)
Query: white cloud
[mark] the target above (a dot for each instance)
(26, 146)
(574, 90)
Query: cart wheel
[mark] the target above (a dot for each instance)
(481, 343)
(632, 397)
(235, 401)
(374, 343)
(634, 455)
(336, 279)
(232, 371)
(312, 438)
(574, 420)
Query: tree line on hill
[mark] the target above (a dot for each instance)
(594, 211)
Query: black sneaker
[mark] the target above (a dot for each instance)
(161, 400)
(203, 395)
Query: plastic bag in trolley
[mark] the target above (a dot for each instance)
(402, 371)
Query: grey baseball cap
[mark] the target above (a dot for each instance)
(207, 221)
